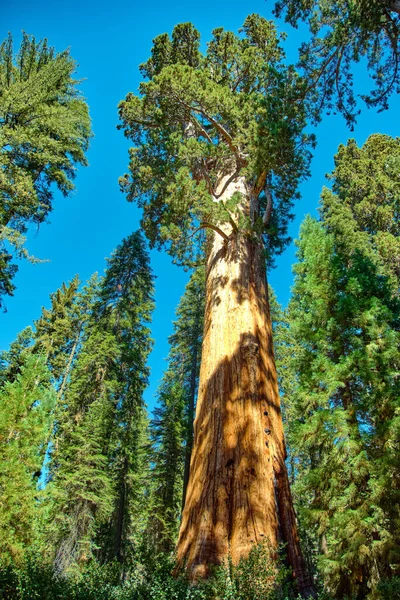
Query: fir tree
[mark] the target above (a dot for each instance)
(55, 329)
(126, 297)
(44, 133)
(168, 434)
(341, 381)
(96, 481)
(26, 406)
(11, 360)
(59, 330)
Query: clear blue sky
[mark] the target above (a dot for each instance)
(109, 40)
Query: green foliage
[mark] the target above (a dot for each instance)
(343, 33)
(256, 578)
(11, 360)
(98, 462)
(26, 406)
(57, 329)
(44, 133)
(339, 374)
(236, 110)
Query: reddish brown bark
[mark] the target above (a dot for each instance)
(238, 456)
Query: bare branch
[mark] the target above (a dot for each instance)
(206, 225)
(268, 211)
(227, 182)
(220, 128)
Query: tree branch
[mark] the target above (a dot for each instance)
(206, 225)
(268, 211)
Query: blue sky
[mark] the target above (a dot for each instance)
(109, 40)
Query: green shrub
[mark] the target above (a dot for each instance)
(259, 577)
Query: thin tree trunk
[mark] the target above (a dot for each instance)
(239, 450)
(120, 514)
(69, 365)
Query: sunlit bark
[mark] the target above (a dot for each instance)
(238, 493)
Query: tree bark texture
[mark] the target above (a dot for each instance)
(238, 493)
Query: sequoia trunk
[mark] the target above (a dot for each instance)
(238, 489)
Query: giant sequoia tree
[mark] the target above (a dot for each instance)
(218, 152)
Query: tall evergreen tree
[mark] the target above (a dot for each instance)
(95, 468)
(54, 331)
(126, 297)
(59, 330)
(12, 360)
(341, 380)
(212, 133)
(44, 133)
(26, 405)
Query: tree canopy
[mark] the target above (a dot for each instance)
(236, 109)
(44, 134)
(344, 33)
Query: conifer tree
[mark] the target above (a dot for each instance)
(168, 434)
(126, 297)
(59, 330)
(11, 360)
(186, 342)
(341, 380)
(96, 481)
(54, 331)
(219, 149)
(26, 405)
(44, 133)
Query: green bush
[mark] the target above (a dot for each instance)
(389, 589)
(259, 577)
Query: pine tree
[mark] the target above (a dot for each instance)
(55, 329)
(341, 381)
(26, 406)
(219, 151)
(44, 133)
(12, 360)
(96, 482)
(126, 296)
(168, 434)
(59, 330)
(186, 343)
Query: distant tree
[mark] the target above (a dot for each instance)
(97, 484)
(44, 133)
(126, 302)
(26, 405)
(219, 148)
(59, 330)
(343, 33)
(55, 329)
(167, 434)
(340, 374)
(12, 360)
